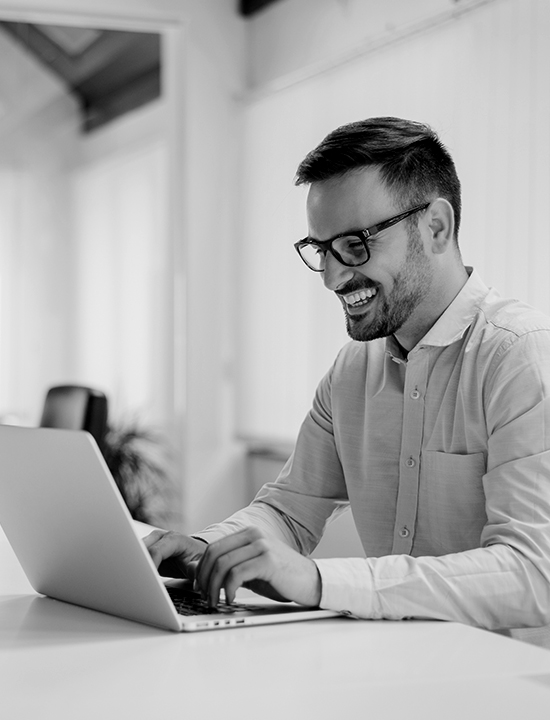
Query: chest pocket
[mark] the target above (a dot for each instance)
(451, 502)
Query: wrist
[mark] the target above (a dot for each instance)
(316, 586)
(199, 546)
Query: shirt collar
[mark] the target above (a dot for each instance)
(456, 319)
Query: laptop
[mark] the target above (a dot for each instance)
(76, 541)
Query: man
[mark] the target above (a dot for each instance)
(434, 422)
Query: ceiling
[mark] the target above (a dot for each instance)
(109, 72)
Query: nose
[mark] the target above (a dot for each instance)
(335, 275)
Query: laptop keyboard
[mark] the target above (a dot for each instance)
(187, 603)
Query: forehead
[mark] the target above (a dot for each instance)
(353, 201)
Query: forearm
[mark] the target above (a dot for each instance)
(492, 587)
(296, 507)
(257, 515)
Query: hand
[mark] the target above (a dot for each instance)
(261, 563)
(174, 555)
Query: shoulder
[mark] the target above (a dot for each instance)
(512, 316)
(508, 332)
(503, 322)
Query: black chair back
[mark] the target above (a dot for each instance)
(76, 407)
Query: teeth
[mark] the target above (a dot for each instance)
(360, 296)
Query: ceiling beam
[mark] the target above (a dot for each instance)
(249, 7)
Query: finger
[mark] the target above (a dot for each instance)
(192, 570)
(245, 572)
(223, 567)
(152, 538)
(165, 546)
(219, 548)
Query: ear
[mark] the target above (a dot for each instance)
(441, 221)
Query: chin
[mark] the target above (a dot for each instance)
(357, 331)
(364, 332)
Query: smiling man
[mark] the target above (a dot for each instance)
(399, 289)
(433, 423)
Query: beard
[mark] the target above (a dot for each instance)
(410, 287)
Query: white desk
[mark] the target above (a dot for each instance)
(61, 661)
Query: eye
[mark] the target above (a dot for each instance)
(352, 246)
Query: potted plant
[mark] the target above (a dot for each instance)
(139, 462)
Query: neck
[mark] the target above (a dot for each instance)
(441, 297)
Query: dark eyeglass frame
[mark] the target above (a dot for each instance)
(363, 235)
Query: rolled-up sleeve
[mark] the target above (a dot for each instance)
(309, 490)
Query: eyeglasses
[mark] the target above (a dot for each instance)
(350, 248)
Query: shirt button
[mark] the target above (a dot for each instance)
(415, 394)
(410, 462)
(404, 532)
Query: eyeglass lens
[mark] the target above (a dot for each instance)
(349, 250)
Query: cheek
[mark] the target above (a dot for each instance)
(392, 273)
(380, 275)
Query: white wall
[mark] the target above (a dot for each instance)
(122, 298)
(479, 77)
(38, 140)
(290, 40)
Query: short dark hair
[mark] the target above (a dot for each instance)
(412, 160)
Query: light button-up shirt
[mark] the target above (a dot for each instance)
(444, 458)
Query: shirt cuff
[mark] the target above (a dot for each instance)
(346, 586)
(209, 536)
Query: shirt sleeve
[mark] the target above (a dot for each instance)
(505, 583)
(309, 490)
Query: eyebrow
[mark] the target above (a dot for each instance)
(355, 231)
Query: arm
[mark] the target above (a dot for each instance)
(296, 507)
(503, 583)
(263, 545)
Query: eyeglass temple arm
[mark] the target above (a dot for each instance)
(374, 229)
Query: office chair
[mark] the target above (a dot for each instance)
(75, 407)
